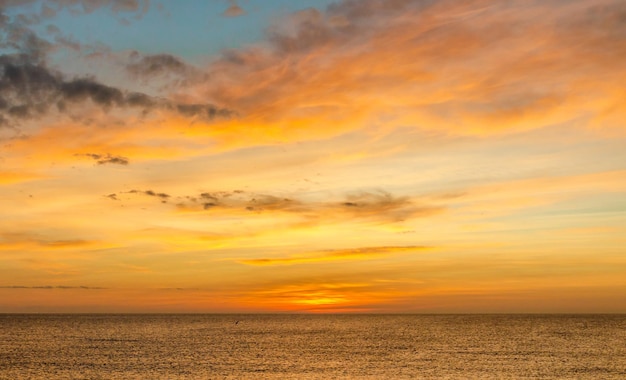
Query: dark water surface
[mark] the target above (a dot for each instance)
(101, 346)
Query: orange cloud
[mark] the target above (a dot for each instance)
(233, 9)
(507, 196)
(472, 67)
(364, 253)
(18, 241)
(114, 134)
(462, 67)
(8, 177)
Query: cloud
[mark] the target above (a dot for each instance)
(379, 205)
(477, 66)
(51, 287)
(521, 195)
(233, 9)
(20, 37)
(10, 177)
(471, 67)
(364, 253)
(30, 91)
(153, 65)
(22, 42)
(239, 200)
(372, 204)
(103, 159)
(83, 6)
(165, 72)
(10, 241)
(164, 197)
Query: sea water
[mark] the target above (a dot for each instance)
(100, 346)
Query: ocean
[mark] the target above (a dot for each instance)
(207, 346)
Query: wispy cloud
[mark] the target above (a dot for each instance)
(22, 41)
(372, 204)
(51, 287)
(164, 72)
(233, 9)
(9, 177)
(363, 253)
(76, 7)
(464, 67)
(154, 65)
(12, 241)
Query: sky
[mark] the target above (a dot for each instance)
(367, 156)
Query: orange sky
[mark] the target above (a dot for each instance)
(350, 156)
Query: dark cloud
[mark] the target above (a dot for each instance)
(164, 72)
(241, 200)
(102, 159)
(154, 65)
(114, 160)
(203, 111)
(22, 43)
(273, 203)
(163, 196)
(153, 194)
(83, 88)
(30, 90)
(373, 204)
(376, 205)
